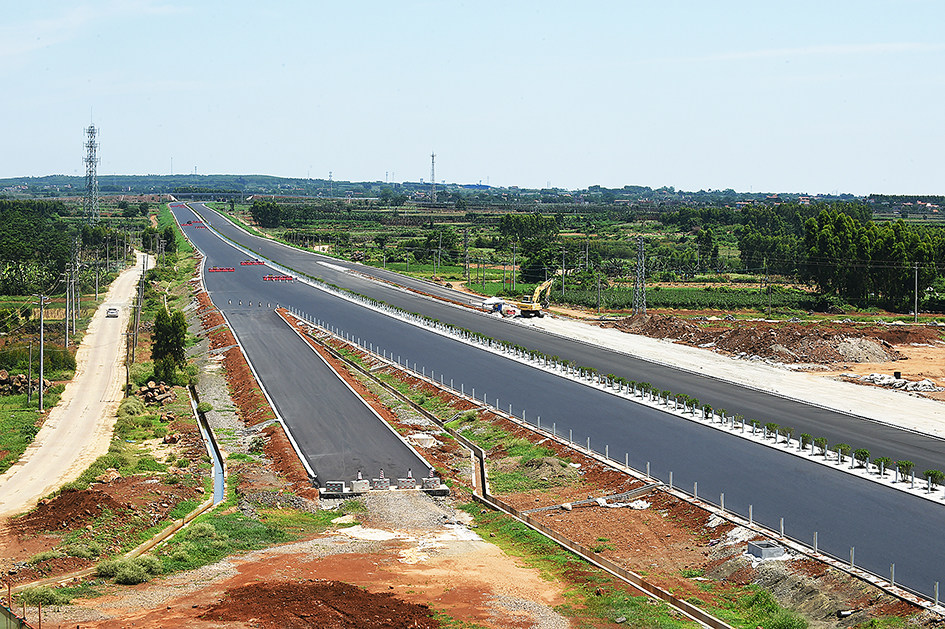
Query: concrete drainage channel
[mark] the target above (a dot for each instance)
(776, 541)
(9, 619)
(481, 483)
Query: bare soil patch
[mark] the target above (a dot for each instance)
(334, 604)
(822, 342)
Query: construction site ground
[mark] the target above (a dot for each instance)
(403, 560)
(409, 554)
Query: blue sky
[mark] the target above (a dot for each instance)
(809, 97)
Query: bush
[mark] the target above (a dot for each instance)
(201, 530)
(88, 550)
(842, 449)
(204, 407)
(108, 569)
(131, 406)
(46, 596)
(806, 440)
(258, 445)
(936, 476)
(905, 467)
(44, 556)
(861, 455)
(129, 571)
(882, 461)
(821, 442)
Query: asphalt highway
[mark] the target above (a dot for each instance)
(880, 439)
(884, 525)
(337, 434)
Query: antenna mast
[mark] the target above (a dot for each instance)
(91, 175)
(433, 176)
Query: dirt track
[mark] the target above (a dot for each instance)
(79, 429)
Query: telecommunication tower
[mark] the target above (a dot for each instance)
(91, 175)
(433, 176)
(639, 287)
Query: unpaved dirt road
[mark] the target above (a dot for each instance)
(79, 429)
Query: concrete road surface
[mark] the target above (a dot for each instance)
(79, 429)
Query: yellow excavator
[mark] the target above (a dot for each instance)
(531, 306)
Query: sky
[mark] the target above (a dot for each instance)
(805, 97)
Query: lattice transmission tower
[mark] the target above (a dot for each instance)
(639, 286)
(91, 174)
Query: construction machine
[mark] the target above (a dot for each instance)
(531, 306)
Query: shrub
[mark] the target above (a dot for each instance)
(788, 432)
(258, 445)
(773, 428)
(46, 596)
(201, 530)
(44, 556)
(861, 455)
(806, 440)
(130, 406)
(936, 476)
(905, 467)
(821, 442)
(842, 449)
(204, 407)
(129, 571)
(108, 569)
(87, 550)
(882, 461)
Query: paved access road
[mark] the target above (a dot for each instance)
(337, 434)
(885, 526)
(881, 440)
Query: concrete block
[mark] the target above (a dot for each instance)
(380, 483)
(765, 549)
(360, 486)
(406, 483)
(335, 486)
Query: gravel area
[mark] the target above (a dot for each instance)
(542, 616)
(406, 511)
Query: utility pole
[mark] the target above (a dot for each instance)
(598, 295)
(66, 319)
(562, 274)
(466, 254)
(514, 247)
(29, 378)
(915, 310)
(42, 340)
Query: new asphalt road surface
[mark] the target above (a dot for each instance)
(336, 432)
(880, 439)
(884, 525)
